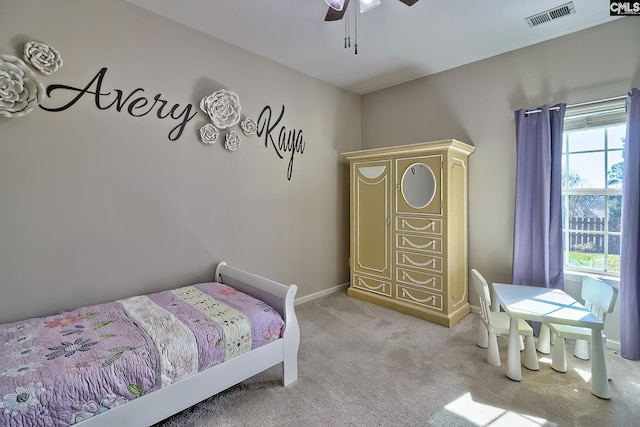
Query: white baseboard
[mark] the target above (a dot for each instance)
(613, 345)
(321, 294)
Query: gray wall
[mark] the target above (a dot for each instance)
(474, 103)
(98, 205)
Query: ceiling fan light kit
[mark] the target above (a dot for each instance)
(366, 5)
(335, 4)
(337, 8)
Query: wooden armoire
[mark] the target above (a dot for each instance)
(409, 227)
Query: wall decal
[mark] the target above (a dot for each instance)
(288, 141)
(44, 58)
(209, 134)
(20, 89)
(135, 103)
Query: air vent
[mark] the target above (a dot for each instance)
(551, 14)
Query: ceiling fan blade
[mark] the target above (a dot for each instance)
(409, 2)
(334, 15)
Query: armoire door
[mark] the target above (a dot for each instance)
(371, 221)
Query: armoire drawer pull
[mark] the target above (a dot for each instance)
(373, 288)
(432, 261)
(431, 225)
(431, 243)
(431, 299)
(406, 275)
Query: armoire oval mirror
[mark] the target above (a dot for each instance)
(418, 185)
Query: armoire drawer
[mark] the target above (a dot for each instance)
(421, 261)
(372, 285)
(419, 224)
(419, 243)
(419, 297)
(420, 279)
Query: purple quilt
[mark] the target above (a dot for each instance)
(62, 369)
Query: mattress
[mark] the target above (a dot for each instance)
(62, 369)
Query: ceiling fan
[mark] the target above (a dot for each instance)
(337, 8)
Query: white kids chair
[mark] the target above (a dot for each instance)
(496, 323)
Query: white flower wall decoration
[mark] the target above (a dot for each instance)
(223, 107)
(209, 134)
(20, 89)
(248, 126)
(44, 58)
(232, 141)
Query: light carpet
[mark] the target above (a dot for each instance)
(364, 365)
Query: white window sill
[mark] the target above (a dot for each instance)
(576, 276)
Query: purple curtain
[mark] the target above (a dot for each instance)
(537, 236)
(629, 254)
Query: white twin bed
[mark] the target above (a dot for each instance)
(137, 361)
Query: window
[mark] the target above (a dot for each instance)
(592, 164)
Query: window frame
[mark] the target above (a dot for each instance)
(606, 192)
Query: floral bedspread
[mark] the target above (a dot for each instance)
(62, 369)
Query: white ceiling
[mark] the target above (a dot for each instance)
(396, 43)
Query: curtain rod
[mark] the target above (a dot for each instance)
(582, 104)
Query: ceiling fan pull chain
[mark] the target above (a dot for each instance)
(349, 26)
(355, 22)
(347, 32)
